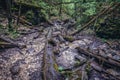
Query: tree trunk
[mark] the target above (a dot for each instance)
(60, 11)
(19, 13)
(75, 4)
(8, 5)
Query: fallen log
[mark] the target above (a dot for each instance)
(5, 45)
(22, 21)
(99, 68)
(49, 64)
(69, 38)
(104, 59)
(8, 43)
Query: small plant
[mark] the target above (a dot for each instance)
(30, 15)
(14, 34)
(104, 40)
(88, 68)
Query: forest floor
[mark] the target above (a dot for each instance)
(83, 56)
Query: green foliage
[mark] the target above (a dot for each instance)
(103, 40)
(90, 8)
(84, 9)
(60, 68)
(69, 8)
(108, 27)
(35, 16)
(45, 9)
(1, 28)
(14, 34)
(54, 12)
(44, 14)
(118, 0)
(30, 15)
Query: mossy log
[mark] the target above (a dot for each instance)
(69, 38)
(49, 64)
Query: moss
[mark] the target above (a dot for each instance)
(56, 67)
(77, 63)
(88, 68)
(14, 34)
(30, 14)
(54, 12)
(69, 38)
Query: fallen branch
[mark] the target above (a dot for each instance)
(23, 21)
(8, 43)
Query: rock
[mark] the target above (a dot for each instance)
(77, 43)
(31, 50)
(16, 77)
(87, 41)
(94, 75)
(116, 57)
(67, 58)
(113, 72)
(81, 59)
(15, 69)
(102, 53)
(35, 75)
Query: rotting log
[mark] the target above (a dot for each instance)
(49, 64)
(102, 58)
(99, 68)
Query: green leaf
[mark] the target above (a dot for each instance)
(60, 68)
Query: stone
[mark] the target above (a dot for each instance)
(15, 69)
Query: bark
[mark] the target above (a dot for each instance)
(101, 58)
(9, 12)
(19, 13)
(49, 64)
(22, 21)
(5, 42)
